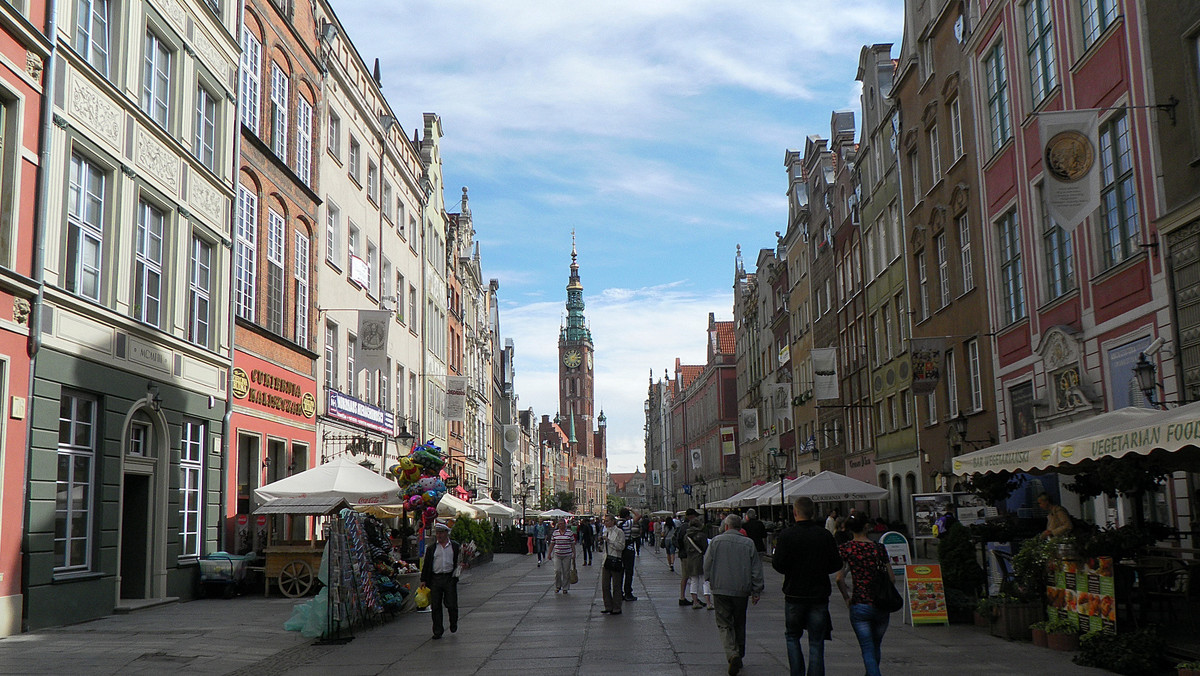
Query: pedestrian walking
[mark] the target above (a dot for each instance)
(806, 555)
(680, 533)
(629, 523)
(755, 530)
(587, 540)
(562, 547)
(611, 575)
(668, 539)
(540, 533)
(439, 573)
(734, 569)
(695, 542)
(865, 561)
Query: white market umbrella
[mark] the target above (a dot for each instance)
(453, 507)
(495, 508)
(556, 513)
(663, 512)
(833, 487)
(338, 478)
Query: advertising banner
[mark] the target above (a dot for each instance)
(927, 357)
(456, 398)
(749, 423)
(351, 410)
(1084, 594)
(926, 596)
(655, 478)
(1070, 157)
(512, 437)
(728, 445)
(696, 458)
(372, 340)
(825, 380)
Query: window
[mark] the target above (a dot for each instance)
(206, 128)
(353, 160)
(386, 202)
(951, 385)
(1118, 196)
(975, 374)
(246, 254)
(935, 155)
(147, 274)
(91, 32)
(373, 182)
(385, 277)
(996, 77)
(351, 371)
(888, 335)
(191, 495)
(905, 408)
(399, 305)
(893, 420)
(304, 114)
(922, 287)
(1060, 273)
(77, 440)
(279, 112)
(1039, 34)
(943, 263)
(333, 229)
(335, 134)
(351, 241)
(412, 308)
(902, 323)
(412, 397)
(300, 272)
(956, 137)
(874, 346)
(276, 232)
(931, 409)
(1097, 16)
(199, 292)
(1011, 281)
(251, 79)
(85, 228)
(914, 168)
(156, 79)
(331, 356)
(400, 395)
(965, 261)
(384, 390)
(400, 217)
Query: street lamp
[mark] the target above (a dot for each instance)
(779, 461)
(525, 486)
(1144, 371)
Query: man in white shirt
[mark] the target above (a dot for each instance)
(438, 573)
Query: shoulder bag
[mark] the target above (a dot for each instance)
(884, 594)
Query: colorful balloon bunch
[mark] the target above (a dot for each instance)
(417, 473)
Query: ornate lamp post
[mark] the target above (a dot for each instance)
(779, 462)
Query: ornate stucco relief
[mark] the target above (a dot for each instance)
(95, 111)
(206, 199)
(156, 159)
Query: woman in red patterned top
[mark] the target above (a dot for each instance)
(562, 548)
(864, 560)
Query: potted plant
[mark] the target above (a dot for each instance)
(1062, 635)
(1038, 631)
(1187, 669)
(985, 612)
(1138, 653)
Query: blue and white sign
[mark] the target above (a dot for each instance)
(351, 410)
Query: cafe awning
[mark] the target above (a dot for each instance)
(1172, 436)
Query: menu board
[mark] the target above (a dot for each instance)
(1084, 594)
(926, 596)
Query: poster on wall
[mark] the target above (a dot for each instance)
(1020, 401)
(1121, 361)
(456, 398)
(728, 447)
(1084, 594)
(926, 596)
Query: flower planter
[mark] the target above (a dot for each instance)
(983, 620)
(1185, 671)
(1039, 637)
(1064, 642)
(1013, 620)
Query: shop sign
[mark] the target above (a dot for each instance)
(1084, 594)
(273, 392)
(351, 410)
(926, 595)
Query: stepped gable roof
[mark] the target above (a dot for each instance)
(621, 479)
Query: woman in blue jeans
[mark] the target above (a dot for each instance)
(864, 560)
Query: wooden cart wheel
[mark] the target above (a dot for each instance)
(296, 579)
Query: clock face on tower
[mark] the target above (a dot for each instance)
(572, 359)
(589, 361)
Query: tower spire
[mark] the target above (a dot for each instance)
(576, 328)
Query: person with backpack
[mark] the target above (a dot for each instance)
(680, 532)
(695, 542)
(629, 522)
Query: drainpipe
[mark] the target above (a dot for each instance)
(41, 211)
(226, 419)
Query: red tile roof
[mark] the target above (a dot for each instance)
(621, 478)
(690, 373)
(726, 338)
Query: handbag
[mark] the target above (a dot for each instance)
(613, 563)
(574, 576)
(884, 595)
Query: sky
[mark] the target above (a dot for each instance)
(655, 130)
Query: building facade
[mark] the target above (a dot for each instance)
(133, 352)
